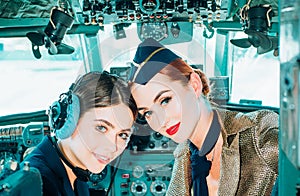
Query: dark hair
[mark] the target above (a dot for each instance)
(101, 89)
(179, 70)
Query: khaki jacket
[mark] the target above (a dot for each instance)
(249, 158)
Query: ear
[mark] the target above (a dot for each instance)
(196, 83)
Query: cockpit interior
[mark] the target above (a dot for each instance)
(248, 49)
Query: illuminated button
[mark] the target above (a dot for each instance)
(125, 176)
(131, 16)
(93, 20)
(138, 16)
(124, 185)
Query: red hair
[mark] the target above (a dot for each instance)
(182, 73)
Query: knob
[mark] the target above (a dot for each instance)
(138, 188)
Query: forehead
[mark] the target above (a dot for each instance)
(145, 94)
(118, 115)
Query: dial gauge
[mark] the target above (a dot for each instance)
(155, 30)
(138, 171)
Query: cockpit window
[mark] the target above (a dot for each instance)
(29, 84)
(255, 77)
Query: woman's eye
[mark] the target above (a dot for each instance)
(165, 101)
(101, 129)
(124, 136)
(147, 114)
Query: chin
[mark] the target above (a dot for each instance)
(179, 140)
(96, 170)
(181, 136)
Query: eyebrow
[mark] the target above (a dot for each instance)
(159, 95)
(156, 98)
(126, 130)
(106, 122)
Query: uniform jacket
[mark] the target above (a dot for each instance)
(54, 175)
(249, 158)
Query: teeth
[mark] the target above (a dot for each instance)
(103, 158)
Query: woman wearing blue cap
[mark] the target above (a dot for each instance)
(220, 152)
(91, 126)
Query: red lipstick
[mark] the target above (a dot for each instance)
(172, 130)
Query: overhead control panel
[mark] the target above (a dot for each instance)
(122, 11)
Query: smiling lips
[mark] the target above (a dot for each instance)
(102, 159)
(172, 130)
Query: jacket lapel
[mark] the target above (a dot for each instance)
(230, 168)
(232, 124)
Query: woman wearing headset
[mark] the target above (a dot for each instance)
(92, 125)
(220, 152)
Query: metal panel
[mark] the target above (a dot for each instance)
(289, 151)
(289, 56)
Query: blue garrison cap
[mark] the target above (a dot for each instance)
(149, 59)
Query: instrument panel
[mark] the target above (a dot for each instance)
(122, 11)
(143, 169)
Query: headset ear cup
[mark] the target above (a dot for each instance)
(73, 112)
(54, 113)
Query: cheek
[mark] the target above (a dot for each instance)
(96, 141)
(91, 139)
(79, 149)
(162, 115)
(158, 118)
(174, 109)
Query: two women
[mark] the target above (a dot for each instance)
(220, 152)
(92, 125)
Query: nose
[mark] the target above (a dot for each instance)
(110, 144)
(158, 119)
